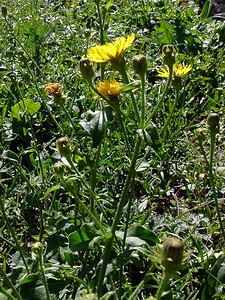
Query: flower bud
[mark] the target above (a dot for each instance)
(37, 249)
(63, 145)
(213, 122)
(4, 11)
(87, 34)
(140, 64)
(22, 56)
(200, 134)
(172, 254)
(86, 69)
(168, 54)
(26, 77)
(59, 168)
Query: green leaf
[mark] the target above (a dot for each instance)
(33, 288)
(109, 4)
(143, 233)
(129, 88)
(206, 9)
(54, 188)
(10, 155)
(151, 136)
(55, 286)
(24, 107)
(69, 257)
(216, 280)
(167, 33)
(95, 124)
(4, 297)
(79, 240)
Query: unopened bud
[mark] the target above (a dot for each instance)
(63, 145)
(87, 34)
(4, 11)
(37, 249)
(22, 56)
(140, 64)
(172, 254)
(200, 134)
(59, 168)
(86, 69)
(213, 122)
(26, 77)
(168, 54)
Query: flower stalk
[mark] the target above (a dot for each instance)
(213, 122)
(109, 242)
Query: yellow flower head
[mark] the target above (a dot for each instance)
(178, 71)
(111, 52)
(55, 90)
(110, 89)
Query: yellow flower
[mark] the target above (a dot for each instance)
(178, 71)
(110, 89)
(55, 90)
(111, 52)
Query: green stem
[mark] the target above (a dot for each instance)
(124, 242)
(137, 290)
(9, 297)
(125, 78)
(130, 176)
(13, 235)
(44, 277)
(94, 173)
(142, 101)
(43, 101)
(85, 185)
(69, 117)
(118, 112)
(37, 150)
(9, 283)
(163, 285)
(85, 208)
(204, 154)
(155, 110)
(211, 175)
(108, 247)
(163, 131)
(100, 22)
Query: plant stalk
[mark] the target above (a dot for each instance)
(109, 242)
(211, 176)
(163, 285)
